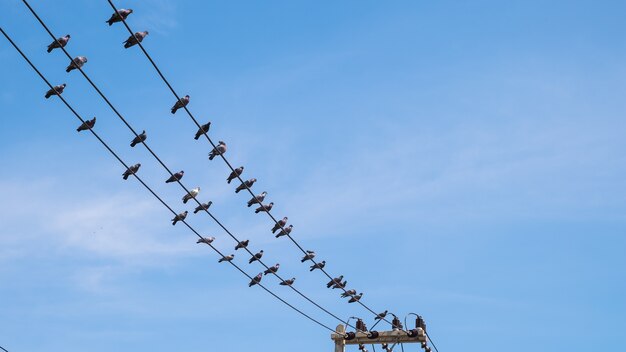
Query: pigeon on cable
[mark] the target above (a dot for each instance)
(233, 175)
(309, 255)
(179, 217)
(258, 199)
(319, 265)
(203, 206)
(119, 15)
(135, 39)
(56, 90)
(175, 177)
(256, 257)
(226, 258)
(192, 194)
(334, 281)
(272, 269)
(181, 103)
(139, 139)
(78, 62)
(285, 232)
(207, 240)
(242, 244)
(348, 293)
(87, 125)
(381, 315)
(59, 43)
(255, 280)
(131, 171)
(340, 285)
(355, 298)
(246, 184)
(280, 223)
(264, 207)
(219, 149)
(202, 130)
(288, 282)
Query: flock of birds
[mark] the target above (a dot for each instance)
(219, 149)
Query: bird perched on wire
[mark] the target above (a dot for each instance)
(272, 269)
(139, 139)
(334, 281)
(264, 207)
(288, 282)
(381, 315)
(340, 284)
(175, 177)
(233, 175)
(78, 62)
(219, 149)
(258, 199)
(226, 258)
(255, 280)
(135, 39)
(131, 171)
(59, 43)
(246, 184)
(348, 293)
(119, 15)
(280, 223)
(181, 103)
(319, 265)
(192, 194)
(56, 90)
(355, 298)
(87, 125)
(309, 255)
(207, 240)
(256, 257)
(179, 217)
(203, 206)
(285, 231)
(202, 130)
(242, 244)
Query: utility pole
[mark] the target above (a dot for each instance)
(343, 338)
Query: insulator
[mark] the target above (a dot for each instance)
(412, 333)
(361, 347)
(360, 325)
(384, 345)
(372, 334)
(420, 323)
(424, 344)
(427, 349)
(349, 335)
(396, 324)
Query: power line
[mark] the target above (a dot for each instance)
(148, 187)
(165, 166)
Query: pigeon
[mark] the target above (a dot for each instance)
(175, 177)
(255, 280)
(281, 223)
(135, 39)
(381, 315)
(242, 244)
(59, 43)
(288, 282)
(319, 265)
(220, 148)
(138, 139)
(56, 90)
(348, 293)
(256, 257)
(181, 103)
(309, 255)
(286, 231)
(78, 62)
(340, 285)
(264, 207)
(272, 269)
(87, 125)
(179, 217)
(203, 206)
(226, 258)
(119, 15)
(355, 298)
(233, 175)
(246, 184)
(131, 170)
(192, 194)
(207, 240)
(334, 281)
(258, 199)
(202, 130)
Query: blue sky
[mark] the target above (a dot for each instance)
(463, 160)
